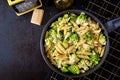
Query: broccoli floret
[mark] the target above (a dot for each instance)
(60, 18)
(73, 58)
(64, 69)
(88, 36)
(65, 43)
(102, 39)
(54, 25)
(53, 32)
(81, 18)
(68, 34)
(74, 69)
(73, 17)
(86, 47)
(69, 24)
(60, 36)
(74, 37)
(48, 40)
(94, 58)
(58, 63)
(84, 64)
(66, 16)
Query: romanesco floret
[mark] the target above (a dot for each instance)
(74, 69)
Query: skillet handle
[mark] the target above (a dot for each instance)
(113, 24)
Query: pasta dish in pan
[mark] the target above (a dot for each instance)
(74, 43)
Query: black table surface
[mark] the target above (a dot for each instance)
(20, 57)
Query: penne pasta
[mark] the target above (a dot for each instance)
(55, 53)
(83, 53)
(60, 47)
(47, 48)
(74, 24)
(69, 49)
(83, 56)
(57, 48)
(102, 52)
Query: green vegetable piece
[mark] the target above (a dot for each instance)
(53, 33)
(66, 16)
(60, 19)
(74, 37)
(73, 17)
(94, 58)
(88, 36)
(65, 41)
(81, 18)
(74, 69)
(68, 35)
(102, 39)
(64, 65)
(54, 25)
(86, 47)
(64, 69)
(83, 37)
(59, 63)
(70, 24)
(48, 40)
(80, 65)
(73, 58)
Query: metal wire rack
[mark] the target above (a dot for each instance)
(105, 10)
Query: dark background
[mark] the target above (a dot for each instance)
(20, 57)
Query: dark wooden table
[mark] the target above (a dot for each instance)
(20, 57)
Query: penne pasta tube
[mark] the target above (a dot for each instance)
(62, 57)
(47, 47)
(57, 48)
(83, 53)
(83, 56)
(74, 24)
(102, 52)
(55, 53)
(69, 49)
(60, 47)
(46, 35)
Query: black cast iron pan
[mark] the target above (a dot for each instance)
(106, 28)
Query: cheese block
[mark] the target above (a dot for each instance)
(37, 16)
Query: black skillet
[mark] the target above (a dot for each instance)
(108, 27)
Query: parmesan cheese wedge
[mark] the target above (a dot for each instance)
(37, 16)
